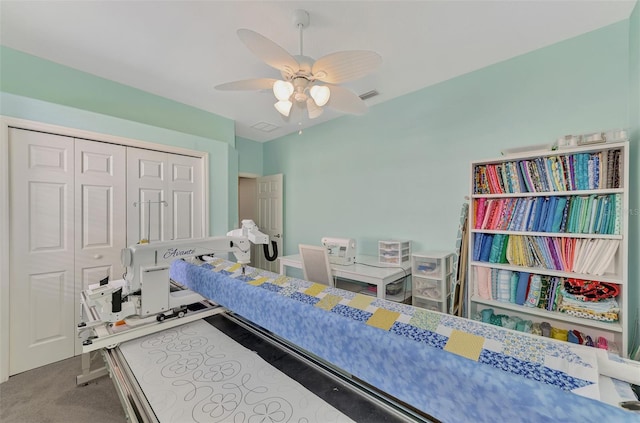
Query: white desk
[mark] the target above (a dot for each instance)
(367, 269)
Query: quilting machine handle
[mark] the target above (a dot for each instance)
(251, 231)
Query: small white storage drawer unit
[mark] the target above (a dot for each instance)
(432, 274)
(427, 304)
(394, 252)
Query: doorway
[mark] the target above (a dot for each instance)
(247, 206)
(263, 198)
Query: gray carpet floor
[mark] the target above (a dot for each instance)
(49, 394)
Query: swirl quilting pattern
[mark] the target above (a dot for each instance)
(195, 373)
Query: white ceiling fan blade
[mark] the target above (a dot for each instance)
(346, 101)
(270, 53)
(255, 84)
(343, 66)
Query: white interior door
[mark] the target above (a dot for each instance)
(186, 196)
(167, 190)
(247, 209)
(42, 288)
(100, 203)
(147, 204)
(269, 204)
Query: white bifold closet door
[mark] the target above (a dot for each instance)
(67, 214)
(70, 218)
(100, 214)
(164, 196)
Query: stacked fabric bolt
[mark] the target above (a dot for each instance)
(606, 310)
(590, 300)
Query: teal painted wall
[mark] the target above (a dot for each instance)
(33, 77)
(251, 156)
(634, 171)
(37, 89)
(403, 169)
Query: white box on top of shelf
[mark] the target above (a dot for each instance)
(394, 252)
(548, 227)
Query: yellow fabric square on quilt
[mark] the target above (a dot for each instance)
(234, 267)
(361, 302)
(258, 282)
(383, 319)
(315, 289)
(328, 302)
(281, 280)
(465, 344)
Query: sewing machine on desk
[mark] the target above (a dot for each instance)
(340, 250)
(365, 269)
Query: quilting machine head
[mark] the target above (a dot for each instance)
(144, 258)
(145, 290)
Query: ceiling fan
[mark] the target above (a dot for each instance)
(307, 83)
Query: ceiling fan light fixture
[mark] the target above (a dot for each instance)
(313, 109)
(299, 74)
(282, 90)
(320, 94)
(284, 107)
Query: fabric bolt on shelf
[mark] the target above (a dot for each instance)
(196, 373)
(402, 350)
(483, 275)
(504, 285)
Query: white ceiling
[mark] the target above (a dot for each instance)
(181, 49)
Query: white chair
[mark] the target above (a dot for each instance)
(315, 264)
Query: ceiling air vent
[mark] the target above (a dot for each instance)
(265, 127)
(369, 94)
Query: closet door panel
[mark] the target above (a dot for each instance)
(42, 290)
(100, 209)
(186, 191)
(148, 214)
(183, 224)
(167, 190)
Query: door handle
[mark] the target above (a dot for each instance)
(277, 236)
(97, 256)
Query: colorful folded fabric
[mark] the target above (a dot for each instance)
(559, 212)
(591, 290)
(561, 334)
(483, 282)
(534, 291)
(504, 285)
(485, 249)
(513, 294)
(605, 310)
(523, 285)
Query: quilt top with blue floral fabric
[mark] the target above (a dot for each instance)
(451, 368)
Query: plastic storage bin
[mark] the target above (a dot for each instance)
(428, 304)
(432, 275)
(394, 252)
